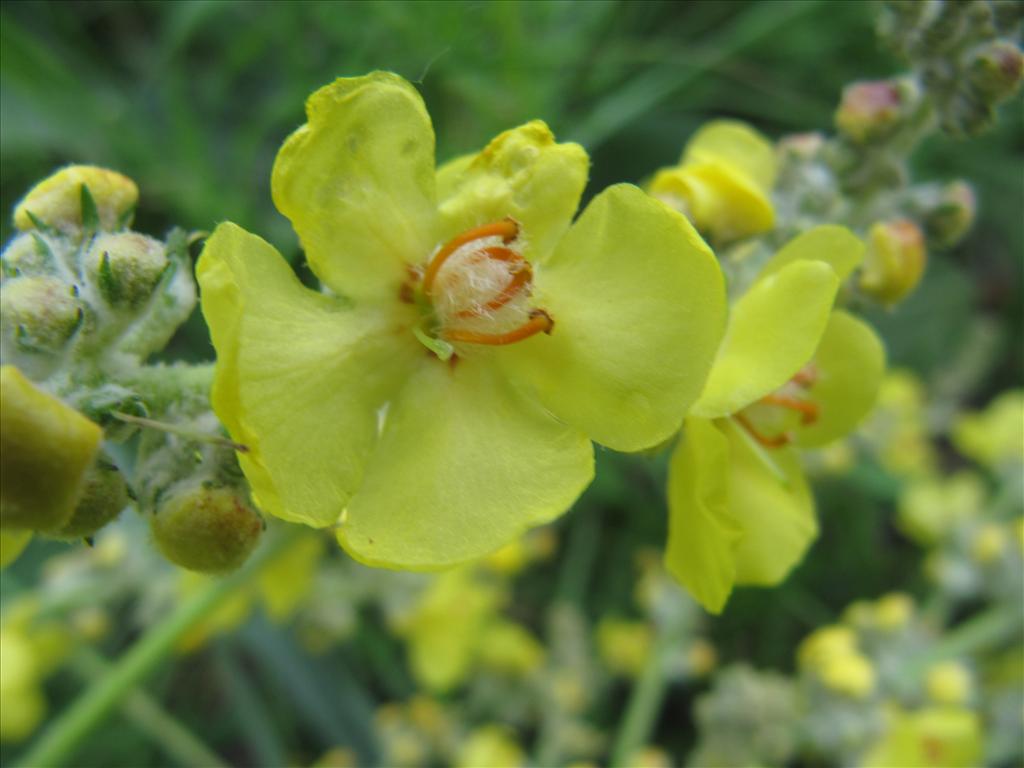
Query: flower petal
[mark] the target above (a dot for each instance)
(850, 362)
(357, 182)
(773, 330)
(638, 303)
(836, 246)
(736, 145)
(522, 173)
(464, 465)
(702, 535)
(721, 201)
(300, 376)
(770, 500)
(12, 544)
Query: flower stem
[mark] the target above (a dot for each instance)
(58, 743)
(149, 717)
(647, 696)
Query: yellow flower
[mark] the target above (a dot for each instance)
(949, 683)
(442, 398)
(994, 436)
(934, 737)
(723, 182)
(491, 746)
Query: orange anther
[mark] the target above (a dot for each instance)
(539, 322)
(808, 411)
(768, 442)
(506, 229)
(806, 376)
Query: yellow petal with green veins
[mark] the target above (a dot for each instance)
(770, 500)
(849, 365)
(638, 303)
(357, 182)
(773, 331)
(737, 146)
(836, 246)
(464, 465)
(702, 534)
(300, 376)
(522, 173)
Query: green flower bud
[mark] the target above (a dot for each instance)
(953, 214)
(894, 261)
(59, 201)
(46, 449)
(125, 267)
(104, 496)
(39, 313)
(870, 111)
(30, 254)
(995, 70)
(207, 529)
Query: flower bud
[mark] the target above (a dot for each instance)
(104, 496)
(29, 254)
(870, 111)
(46, 448)
(801, 146)
(39, 313)
(125, 267)
(953, 215)
(58, 201)
(894, 262)
(995, 70)
(206, 528)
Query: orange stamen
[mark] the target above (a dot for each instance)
(808, 411)
(806, 376)
(506, 229)
(521, 276)
(768, 442)
(539, 322)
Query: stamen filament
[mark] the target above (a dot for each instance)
(506, 229)
(519, 279)
(768, 442)
(539, 322)
(808, 411)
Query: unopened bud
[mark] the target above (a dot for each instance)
(873, 110)
(125, 267)
(104, 496)
(895, 260)
(59, 201)
(996, 69)
(29, 254)
(953, 215)
(206, 529)
(46, 448)
(39, 313)
(801, 146)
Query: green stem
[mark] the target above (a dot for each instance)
(58, 743)
(149, 717)
(647, 696)
(986, 630)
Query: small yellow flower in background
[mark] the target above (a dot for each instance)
(930, 508)
(893, 611)
(933, 737)
(444, 399)
(831, 655)
(949, 683)
(994, 437)
(624, 645)
(492, 746)
(895, 260)
(650, 756)
(22, 705)
(510, 649)
(723, 182)
(989, 543)
(897, 428)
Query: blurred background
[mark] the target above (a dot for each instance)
(193, 99)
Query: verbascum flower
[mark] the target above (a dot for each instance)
(442, 398)
(791, 372)
(933, 737)
(723, 182)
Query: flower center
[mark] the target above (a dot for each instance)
(476, 290)
(791, 398)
